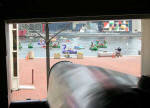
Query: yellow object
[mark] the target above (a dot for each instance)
(31, 55)
(56, 56)
(123, 26)
(54, 39)
(79, 55)
(67, 56)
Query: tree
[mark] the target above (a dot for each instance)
(47, 39)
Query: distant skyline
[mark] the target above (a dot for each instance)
(84, 26)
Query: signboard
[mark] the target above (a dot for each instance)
(116, 25)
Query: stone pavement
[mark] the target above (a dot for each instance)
(126, 64)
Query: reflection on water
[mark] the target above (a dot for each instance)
(129, 45)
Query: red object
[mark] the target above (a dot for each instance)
(67, 40)
(120, 22)
(113, 27)
(43, 46)
(27, 57)
(105, 24)
(22, 32)
(127, 29)
(25, 31)
(113, 56)
(43, 28)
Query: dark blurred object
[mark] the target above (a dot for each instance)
(118, 52)
(144, 83)
(30, 104)
(77, 86)
(139, 52)
(118, 49)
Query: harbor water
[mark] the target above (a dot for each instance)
(129, 45)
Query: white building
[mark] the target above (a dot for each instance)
(136, 25)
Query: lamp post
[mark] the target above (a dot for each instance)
(47, 53)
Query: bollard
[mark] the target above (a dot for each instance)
(32, 76)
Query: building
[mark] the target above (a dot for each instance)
(136, 25)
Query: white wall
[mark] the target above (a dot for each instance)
(8, 64)
(9, 37)
(145, 47)
(136, 25)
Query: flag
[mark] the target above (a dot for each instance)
(106, 25)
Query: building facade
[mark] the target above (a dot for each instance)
(136, 25)
(111, 26)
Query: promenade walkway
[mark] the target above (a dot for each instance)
(126, 64)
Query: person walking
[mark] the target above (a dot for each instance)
(118, 52)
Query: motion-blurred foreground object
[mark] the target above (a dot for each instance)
(77, 86)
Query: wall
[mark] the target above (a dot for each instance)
(136, 25)
(146, 47)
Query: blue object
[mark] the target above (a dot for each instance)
(78, 47)
(68, 51)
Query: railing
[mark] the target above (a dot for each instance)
(87, 33)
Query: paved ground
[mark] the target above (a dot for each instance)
(127, 64)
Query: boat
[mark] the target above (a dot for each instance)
(30, 45)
